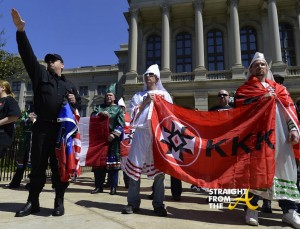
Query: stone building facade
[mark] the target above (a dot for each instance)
(201, 46)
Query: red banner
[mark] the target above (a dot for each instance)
(128, 133)
(217, 149)
(98, 144)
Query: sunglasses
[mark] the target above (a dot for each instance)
(222, 95)
(150, 74)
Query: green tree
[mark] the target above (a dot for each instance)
(11, 66)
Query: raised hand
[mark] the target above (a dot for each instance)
(19, 23)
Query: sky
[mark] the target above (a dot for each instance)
(83, 32)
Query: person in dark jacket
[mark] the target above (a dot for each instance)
(223, 101)
(50, 88)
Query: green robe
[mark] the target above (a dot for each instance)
(116, 123)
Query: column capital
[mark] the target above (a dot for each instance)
(199, 4)
(165, 8)
(134, 11)
(270, 1)
(233, 3)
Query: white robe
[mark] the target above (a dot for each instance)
(140, 158)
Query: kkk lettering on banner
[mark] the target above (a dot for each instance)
(228, 149)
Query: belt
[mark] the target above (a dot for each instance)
(47, 120)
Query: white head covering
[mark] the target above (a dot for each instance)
(154, 69)
(260, 56)
(121, 103)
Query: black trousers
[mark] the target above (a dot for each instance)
(176, 187)
(44, 136)
(100, 174)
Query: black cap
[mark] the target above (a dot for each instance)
(54, 56)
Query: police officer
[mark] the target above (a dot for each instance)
(50, 88)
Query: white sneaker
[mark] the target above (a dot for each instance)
(291, 218)
(251, 217)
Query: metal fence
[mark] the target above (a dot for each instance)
(8, 165)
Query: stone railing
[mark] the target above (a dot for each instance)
(219, 75)
(139, 79)
(293, 71)
(183, 76)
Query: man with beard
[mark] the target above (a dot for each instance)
(260, 86)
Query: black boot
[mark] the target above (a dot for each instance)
(266, 207)
(97, 190)
(59, 208)
(32, 205)
(113, 191)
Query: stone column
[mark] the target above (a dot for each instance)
(201, 100)
(200, 70)
(278, 66)
(165, 68)
(237, 68)
(274, 26)
(131, 76)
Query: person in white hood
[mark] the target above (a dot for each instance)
(140, 158)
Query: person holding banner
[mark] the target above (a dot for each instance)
(140, 158)
(50, 89)
(261, 86)
(112, 165)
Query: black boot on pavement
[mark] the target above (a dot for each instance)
(97, 190)
(266, 207)
(113, 191)
(29, 208)
(59, 209)
(160, 211)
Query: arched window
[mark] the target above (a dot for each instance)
(248, 44)
(184, 52)
(153, 50)
(215, 50)
(287, 44)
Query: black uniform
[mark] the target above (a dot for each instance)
(8, 107)
(49, 90)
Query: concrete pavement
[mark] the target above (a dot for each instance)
(101, 210)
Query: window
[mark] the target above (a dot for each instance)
(16, 86)
(101, 89)
(183, 52)
(215, 50)
(153, 53)
(287, 44)
(248, 44)
(83, 90)
(29, 86)
(82, 112)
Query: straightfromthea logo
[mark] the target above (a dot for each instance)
(217, 198)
